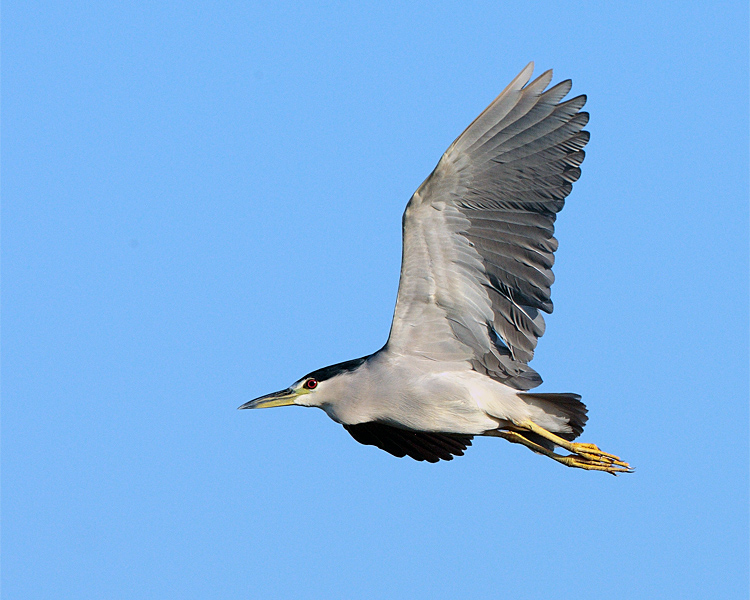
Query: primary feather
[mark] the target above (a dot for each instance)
(478, 234)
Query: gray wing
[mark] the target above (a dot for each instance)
(478, 234)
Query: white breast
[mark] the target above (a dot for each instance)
(427, 395)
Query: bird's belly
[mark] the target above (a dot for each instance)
(449, 401)
(454, 402)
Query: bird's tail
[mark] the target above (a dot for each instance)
(567, 406)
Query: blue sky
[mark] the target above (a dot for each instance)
(201, 202)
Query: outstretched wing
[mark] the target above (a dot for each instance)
(478, 233)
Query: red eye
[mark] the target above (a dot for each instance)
(311, 384)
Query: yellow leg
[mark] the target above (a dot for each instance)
(569, 461)
(583, 456)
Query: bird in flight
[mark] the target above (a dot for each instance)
(476, 271)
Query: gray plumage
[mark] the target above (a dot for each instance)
(476, 272)
(493, 199)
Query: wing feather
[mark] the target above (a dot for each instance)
(478, 234)
(419, 445)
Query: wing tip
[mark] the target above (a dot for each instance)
(518, 82)
(525, 74)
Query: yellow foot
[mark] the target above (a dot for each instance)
(586, 461)
(592, 451)
(583, 456)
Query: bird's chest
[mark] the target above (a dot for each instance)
(423, 401)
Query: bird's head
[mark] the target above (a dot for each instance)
(314, 389)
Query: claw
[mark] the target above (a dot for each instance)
(589, 463)
(583, 455)
(591, 459)
(581, 447)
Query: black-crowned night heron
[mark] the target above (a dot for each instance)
(475, 274)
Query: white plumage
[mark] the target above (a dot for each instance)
(478, 250)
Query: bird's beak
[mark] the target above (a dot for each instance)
(283, 398)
